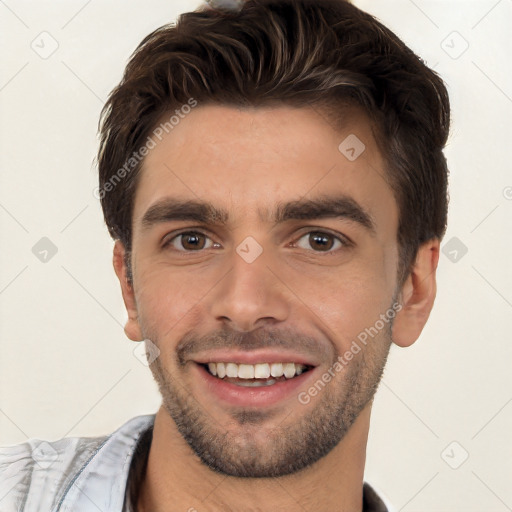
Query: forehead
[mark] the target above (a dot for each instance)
(246, 161)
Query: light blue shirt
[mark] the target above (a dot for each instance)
(78, 474)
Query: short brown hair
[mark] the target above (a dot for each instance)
(321, 53)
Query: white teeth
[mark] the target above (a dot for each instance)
(221, 370)
(232, 370)
(256, 371)
(289, 370)
(276, 370)
(245, 371)
(261, 371)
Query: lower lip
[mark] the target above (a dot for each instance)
(250, 396)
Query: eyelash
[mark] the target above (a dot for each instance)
(345, 242)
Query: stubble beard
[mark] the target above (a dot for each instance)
(245, 446)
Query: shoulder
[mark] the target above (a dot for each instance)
(36, 464)
(41, 475)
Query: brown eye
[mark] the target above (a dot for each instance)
(189, 241)
(320, 241)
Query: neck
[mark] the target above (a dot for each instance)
(176, 476)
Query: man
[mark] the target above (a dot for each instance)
(274, 181)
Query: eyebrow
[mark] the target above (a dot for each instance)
(339, 206)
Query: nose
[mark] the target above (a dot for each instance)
(250, 295)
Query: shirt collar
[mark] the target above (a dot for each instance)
(101, 482)
(137, 470)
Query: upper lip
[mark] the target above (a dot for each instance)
(254, 357)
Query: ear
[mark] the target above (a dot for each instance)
(132, 327)
(417, 295)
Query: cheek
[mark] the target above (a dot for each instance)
(168, 301)
(344, 304)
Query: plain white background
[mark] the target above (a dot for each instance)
(66, 367)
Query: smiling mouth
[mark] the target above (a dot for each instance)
(255, 375)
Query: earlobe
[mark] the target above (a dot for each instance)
(132, 327)
(417, 295)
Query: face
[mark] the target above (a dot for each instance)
(260, 248)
